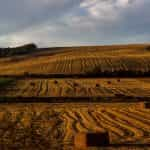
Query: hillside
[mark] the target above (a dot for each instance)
(20, 50)
(81, 60)
(49, 96)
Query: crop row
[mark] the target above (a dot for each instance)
(47, 126)
(79, 88)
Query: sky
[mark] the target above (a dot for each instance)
(74, 22)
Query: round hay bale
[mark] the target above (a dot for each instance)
(91, 139)
(144, 105)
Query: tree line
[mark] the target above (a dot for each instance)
(25, 49)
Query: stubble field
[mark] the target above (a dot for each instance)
(53, 126)
(96, 87)
(81, 60)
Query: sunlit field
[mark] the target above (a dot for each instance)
(53, 126)
(41, 110)
(102, 87)
(80, 60)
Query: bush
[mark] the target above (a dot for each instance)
(118, 80)
(97, 85)
(55, 82)
(109, 82)
(148, 48)
(95, 71)
(5, 82)
(25, 49)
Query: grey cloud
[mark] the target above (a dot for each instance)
(19, 14)
(69, 22)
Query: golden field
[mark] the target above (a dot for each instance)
(80, 60)
(102, 87)
(52, 125)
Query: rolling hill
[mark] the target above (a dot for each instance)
(132, 59)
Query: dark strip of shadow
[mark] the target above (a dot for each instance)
(127, 145)
(121, 74)
(126, 99)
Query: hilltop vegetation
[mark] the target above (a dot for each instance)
(25, 49)
(4, 82)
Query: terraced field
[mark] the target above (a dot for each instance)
(103, 87)
(54, 126)
(81, 60)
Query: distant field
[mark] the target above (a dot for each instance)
(45, 126)
(103, 87)
(80, 60)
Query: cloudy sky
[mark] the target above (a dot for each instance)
(74, 22)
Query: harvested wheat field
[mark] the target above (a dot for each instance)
(81, 60)
(102, 87)
(53, 126)
(41, 110)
